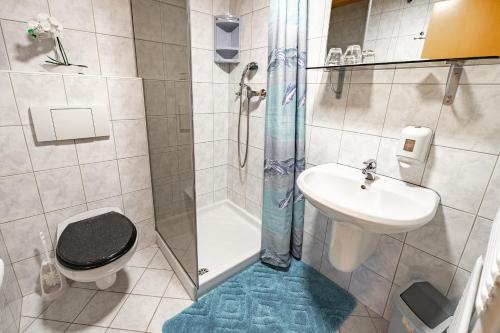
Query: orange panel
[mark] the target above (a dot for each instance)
(463, 28)
(340, 3)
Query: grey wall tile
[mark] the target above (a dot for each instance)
(19, 197)
(147, 19)
(150, 60)
(445, 236)
(101, 180)
(476, 244)
(459, 187)
(14, 158)
(60, 188)
(174, 24)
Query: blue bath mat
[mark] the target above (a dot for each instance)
(264, 300)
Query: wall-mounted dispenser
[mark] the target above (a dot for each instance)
(414, 145)
(227, 39)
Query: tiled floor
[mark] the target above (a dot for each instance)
(146, 293)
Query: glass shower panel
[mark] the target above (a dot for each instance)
(161, 35)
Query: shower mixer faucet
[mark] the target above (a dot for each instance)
(369, 169)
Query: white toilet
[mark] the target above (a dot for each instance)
(94, 245)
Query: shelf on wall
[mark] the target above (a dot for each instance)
(227, 39)
(454, 75)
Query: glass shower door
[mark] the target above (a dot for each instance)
(161, 34)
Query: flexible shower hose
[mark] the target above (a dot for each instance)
(242, 164)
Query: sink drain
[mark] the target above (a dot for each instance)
(202, 271)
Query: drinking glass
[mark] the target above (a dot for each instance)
(334, 57)
(368, 56)
(353, 55)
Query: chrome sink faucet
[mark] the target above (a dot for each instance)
(370, 169)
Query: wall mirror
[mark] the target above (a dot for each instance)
(390, 31)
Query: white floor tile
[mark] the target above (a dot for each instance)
(47, 326)
(153, 282)
(356, 324)
(75, 328)
(136, 313)
(143, 257)
(175, 289)
(101, 309)
(69, 305)
(126, 279)
(168, 308)
(25, 323)
(159, 262)
(33, 305)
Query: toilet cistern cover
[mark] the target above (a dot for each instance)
(96, 241)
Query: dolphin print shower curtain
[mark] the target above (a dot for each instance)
(283, 204)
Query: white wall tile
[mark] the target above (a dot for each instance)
(22, 237)
(246, 32)
(312, 250)
(116, 55)
(341, 278)
(357, 148)
(220, 177)
(81, 49)
(445, 236)
(108, 202)
(96, 149)
(203, 98)
(204, 155)
(24, 54)
(130, 138)
(126, 99)
(372, 76)
(204, 6)
(204, 181)
(315, 222)
(472, 121)
(86, 90)
(204, 125)
(60, 188)
(366, 108)
(435, 75)
(484, 74)
(476, 244)
(8, 108)
(101, 180)
(460, 177)
(370, 288)
(19, 197)
(327, 110)
(54, 218)
(113, 17)
(221, 126)
(49, 88)
(73, 14)
(134, 173)
(23, 10)
(415, 264)
(138, 205)
(410, 104)
(202, 30)
(491, 200)
(324, 146)
(259, 27)
(4, 58)
(14, 157)
(385, 259)
(28, 274)
(458, 285)
(50, 154)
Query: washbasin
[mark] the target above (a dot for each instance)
(362, 210)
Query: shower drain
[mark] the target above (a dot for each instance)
(202, 271)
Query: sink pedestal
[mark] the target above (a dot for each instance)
(350, 245)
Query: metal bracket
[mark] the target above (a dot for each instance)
(340, 82)
(454, 75)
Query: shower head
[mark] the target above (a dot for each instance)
(250, 67)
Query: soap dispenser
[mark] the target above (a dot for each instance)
(414, 145)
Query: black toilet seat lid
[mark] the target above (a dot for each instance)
(96, 241)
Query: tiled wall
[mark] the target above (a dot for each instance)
(393, 25)
(347, 25)
(43, 183)
(216, 107)
(98, 33)
(463, 167)
(10, 295)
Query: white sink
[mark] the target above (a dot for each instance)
(363, 209)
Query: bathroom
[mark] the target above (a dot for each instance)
(183, 94)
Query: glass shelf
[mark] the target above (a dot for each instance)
(486, 60)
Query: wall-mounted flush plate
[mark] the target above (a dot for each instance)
(69, 122)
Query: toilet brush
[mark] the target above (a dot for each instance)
(51, 280)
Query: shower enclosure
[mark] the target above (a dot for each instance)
(205, 236)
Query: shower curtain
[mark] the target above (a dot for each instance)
(283, 204)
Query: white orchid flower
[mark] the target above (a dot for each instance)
(44, 26)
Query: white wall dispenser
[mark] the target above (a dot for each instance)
(227, 39)
(69, 122)
(414, 145)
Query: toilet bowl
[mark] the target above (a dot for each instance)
(94, 245)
